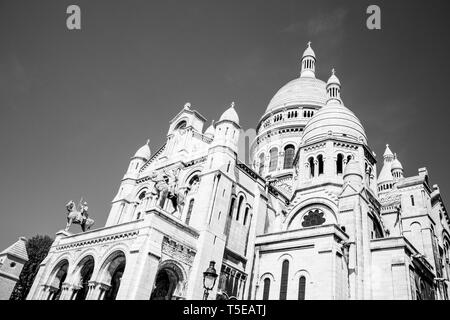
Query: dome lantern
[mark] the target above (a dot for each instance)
(333, 89)
(308, 63)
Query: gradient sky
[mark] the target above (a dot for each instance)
(76, 105)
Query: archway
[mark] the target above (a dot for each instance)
(111, 276)
(85, 269)
(168, 283)
(58, 276)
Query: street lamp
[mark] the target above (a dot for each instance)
(209, 279)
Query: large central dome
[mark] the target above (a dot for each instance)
(300, 91)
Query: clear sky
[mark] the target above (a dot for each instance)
(76, 105)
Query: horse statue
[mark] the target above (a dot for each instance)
(78, 217)
(167, 188)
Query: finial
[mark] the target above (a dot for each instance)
(333, 71)
(148, 142)
(232, 104)
(187, 105)
(309, 43)
(387, 145)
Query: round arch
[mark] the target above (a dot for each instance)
(57, 277)
(324, 205)
(170, 281)
(111, 272)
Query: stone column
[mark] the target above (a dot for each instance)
(44, 292)
(92, 287)
(51, 292)
(103, 289)
(66, 292)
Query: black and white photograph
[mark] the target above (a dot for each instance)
(226, 154)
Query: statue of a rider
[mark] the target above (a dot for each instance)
(84, 211)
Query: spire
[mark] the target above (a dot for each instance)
(388, 155)
(308, 63)
(386, 179)
(333, 89)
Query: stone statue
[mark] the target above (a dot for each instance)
(167, 188)
(80, 217)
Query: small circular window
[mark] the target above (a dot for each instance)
(12, 264)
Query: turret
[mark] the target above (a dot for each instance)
(396, 169)
(308, 63)
(385, 179)
(140, 157)
(333, 89)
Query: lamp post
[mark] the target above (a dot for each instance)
(209, 279)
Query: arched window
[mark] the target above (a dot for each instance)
(246, 215)
(289, 151)
(349, 158)
(181, 125)
(261, 164)
(273, 159)
(301, 288)
(189, 212)
(339, 163)
(320, 164)
(311, 167)
(241, 199)
(230, 216)
(266, 289)
(284, 280)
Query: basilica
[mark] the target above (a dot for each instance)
(310, 216)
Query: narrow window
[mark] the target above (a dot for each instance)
(339, 163)
(311, 167)
(289, 151)
(273, 159)
(266, 290)
(230, 216)
(284, 280)
(241, 199)
(246, 215)
(320, 168)
(189, 212)
(261, 164)
(301, 288)
(412, 200)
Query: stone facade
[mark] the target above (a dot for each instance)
(308, 219)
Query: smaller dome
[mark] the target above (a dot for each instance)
(210, 131)
(396, 164)
(333, 79)
(309, 52)
(230, 115)
(143, 152)
(334, 120)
